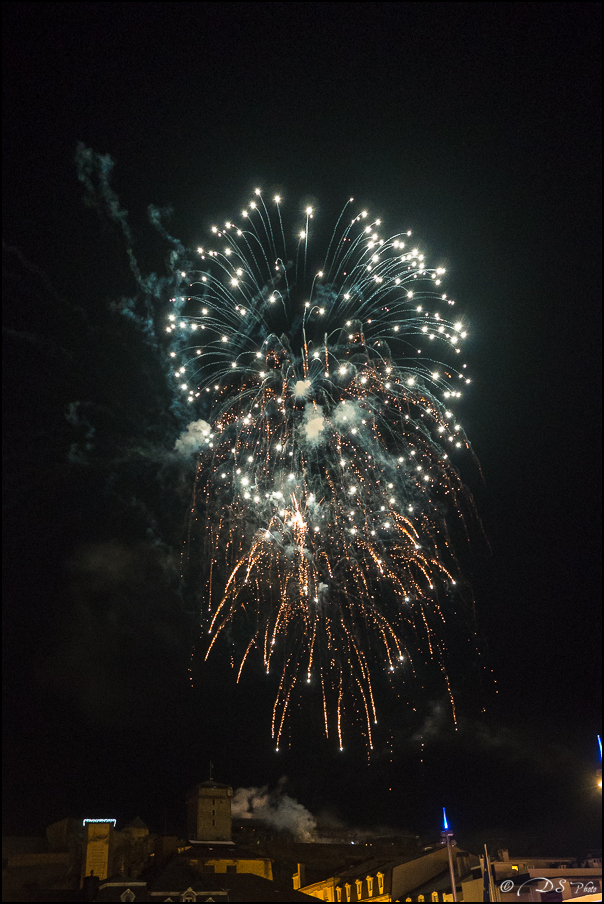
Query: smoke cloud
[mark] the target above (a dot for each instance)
(276, 809)
(193, 438)
(301, 388)
(347, 412)
(314, 423)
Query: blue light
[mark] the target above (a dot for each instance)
(600, 743)
(445, 823)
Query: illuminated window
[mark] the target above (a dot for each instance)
(515, 867)
(359, 885)
(380, 878)
(369, 886)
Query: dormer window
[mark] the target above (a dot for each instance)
(189, 895)
(127, 895)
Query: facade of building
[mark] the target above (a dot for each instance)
(396, 880)
(71, 851)
(217, 857)
(209, 812)
(99, 846)
(536, 878)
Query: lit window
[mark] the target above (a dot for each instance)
(514, 867)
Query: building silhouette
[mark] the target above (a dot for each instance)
(209, 812)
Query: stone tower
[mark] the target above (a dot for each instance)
(99, 843)
(209, 812)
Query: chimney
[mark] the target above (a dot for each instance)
(299, 878)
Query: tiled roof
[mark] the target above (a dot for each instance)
(177, 876)
(226, 849)
(441, 882)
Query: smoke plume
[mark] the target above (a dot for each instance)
(276, 809)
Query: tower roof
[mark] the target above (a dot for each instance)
(211, 784)
(137, 823)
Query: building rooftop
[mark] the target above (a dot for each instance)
(177, 876)
(210, 784)
(228, 849)
(137, 823)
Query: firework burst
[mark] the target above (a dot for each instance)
(325, 483)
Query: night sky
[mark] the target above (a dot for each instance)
(476, 125)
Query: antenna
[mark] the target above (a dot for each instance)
(447, 836)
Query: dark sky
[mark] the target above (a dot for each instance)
(477, 125)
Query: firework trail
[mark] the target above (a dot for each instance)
(325, 485)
